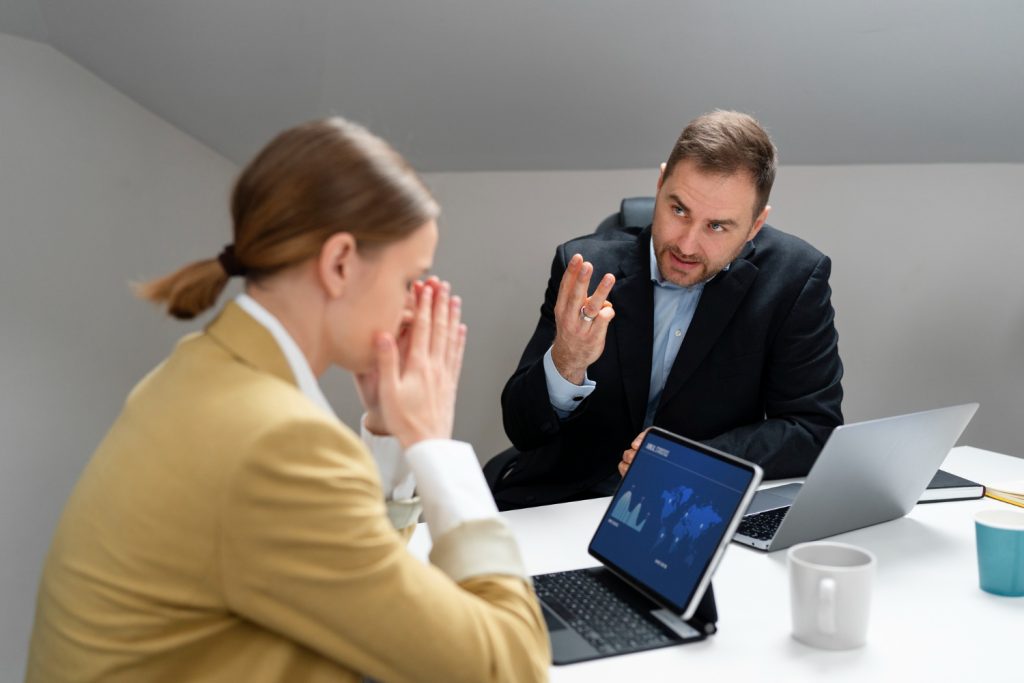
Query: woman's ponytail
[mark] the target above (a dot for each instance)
(188, 291)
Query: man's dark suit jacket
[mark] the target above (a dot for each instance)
(758, 374)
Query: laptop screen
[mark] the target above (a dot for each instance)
(669, 515)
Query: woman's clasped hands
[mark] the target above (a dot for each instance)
(410, 394)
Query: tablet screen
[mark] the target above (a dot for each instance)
(678, 505)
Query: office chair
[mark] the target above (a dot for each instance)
(634, 212)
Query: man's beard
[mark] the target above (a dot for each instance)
(673, 275)
(707, 275)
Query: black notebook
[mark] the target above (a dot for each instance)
(945, 486)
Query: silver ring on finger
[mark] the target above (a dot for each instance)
(584, 316)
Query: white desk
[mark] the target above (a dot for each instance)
(929, 619)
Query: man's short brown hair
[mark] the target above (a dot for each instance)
(728, 142)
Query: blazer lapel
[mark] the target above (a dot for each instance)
(250, 342)
(717, 305)
(633, 296)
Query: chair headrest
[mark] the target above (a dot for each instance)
(636, 212)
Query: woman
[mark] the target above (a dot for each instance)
(229, 527)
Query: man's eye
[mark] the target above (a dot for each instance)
(678, 210)
(716, 227)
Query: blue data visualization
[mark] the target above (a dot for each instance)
(627, 515)
(669, 515)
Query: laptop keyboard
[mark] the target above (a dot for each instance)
(604, 619)
(762, 525)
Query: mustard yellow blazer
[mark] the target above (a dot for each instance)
(227, 529)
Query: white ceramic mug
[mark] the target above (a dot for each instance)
(830, 594)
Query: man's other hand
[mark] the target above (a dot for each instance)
(630, 453)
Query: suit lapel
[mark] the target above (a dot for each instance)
(250, 342)
(718, 303)
(633, 296)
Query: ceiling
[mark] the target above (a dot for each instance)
(470, 85)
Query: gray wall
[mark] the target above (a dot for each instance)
(95, 191)
(930, 306)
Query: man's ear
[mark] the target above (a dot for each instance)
(336, 263)
(759, 223)
(661, 177)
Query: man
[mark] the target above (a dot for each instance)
(723, 332)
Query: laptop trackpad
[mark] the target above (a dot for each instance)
(554, 623)
(770, 499)
(567, 646)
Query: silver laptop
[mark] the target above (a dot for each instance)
(867, 473)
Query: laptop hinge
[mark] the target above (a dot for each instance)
(675, 624)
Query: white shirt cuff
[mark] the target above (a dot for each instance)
(451, 484)
(565, 396)
(396, 477)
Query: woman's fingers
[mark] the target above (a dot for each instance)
(419, 334)
(459, 351)
(457, 336)
(419, 371)
(440, 318)
(387, 368)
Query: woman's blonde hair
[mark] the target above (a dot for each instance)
(308, 183)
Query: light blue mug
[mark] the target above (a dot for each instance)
(1000, 539)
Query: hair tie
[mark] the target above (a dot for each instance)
(229, 262)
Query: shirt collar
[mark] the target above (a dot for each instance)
(293, 354)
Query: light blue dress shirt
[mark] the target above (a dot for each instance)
(674, 307)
